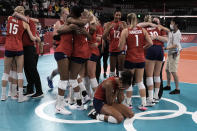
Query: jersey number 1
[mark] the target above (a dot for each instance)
(136, 36)
(13, 28)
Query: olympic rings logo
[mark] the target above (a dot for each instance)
(128, 123)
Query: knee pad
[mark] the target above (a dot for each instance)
(10, 74)
(73, 83)
(141, 85)
(157, 79)
(20, 76)
(5, 77)
(149, 81)
(93, 83)
(130, 88)
(14, 75)
(62, 84)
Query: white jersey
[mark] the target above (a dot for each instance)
(174, 38)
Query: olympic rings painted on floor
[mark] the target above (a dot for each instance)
(40, 112)
(128, 123)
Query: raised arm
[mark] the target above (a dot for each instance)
(164, 28)
(67, 28)
(20, 16)
(148, 39)
(107, 30)
(145, 24)
(79, 22)
(123, 39)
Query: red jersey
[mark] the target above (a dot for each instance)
(154, 31)
(95, 50)
(26, 38)
(65, 44)
(135, 43)
(15, 31)
(100, 91)
(57, 41)
(114, 35)
(81, 48)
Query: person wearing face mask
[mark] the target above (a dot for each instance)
(174, 48)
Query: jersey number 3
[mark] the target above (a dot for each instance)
(13, 28)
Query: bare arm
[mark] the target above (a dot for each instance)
(92, 28)
(120, 96)
(109, 94)
(66, 28)
(148, 39)
(56, 27)
(164, 28)
(34, 20)
(123, 38)
(107, 30)
(26, 26)
(145, 24)
(22, 17)
(79, 22)
(161, 38)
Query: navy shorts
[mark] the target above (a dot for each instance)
(13, 53)
(155, 52)
(78, 60)
(98, 104)
(130, 65)
(94, 58)
(117, 53)
(59, 56)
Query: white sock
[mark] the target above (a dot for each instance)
(82, 87)
(93, 83)
(14, 89)
(10, 86)
(120, 73)
(3, 89)
(20, 92)
(143, 101)
(77, 95)
(100, 117)
(59, 100)
(150, 94)
(156, 93)
(111, 119)
(128, 100)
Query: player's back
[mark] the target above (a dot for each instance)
(135, 43)
(15, 31)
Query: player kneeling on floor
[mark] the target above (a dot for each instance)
(108, 98)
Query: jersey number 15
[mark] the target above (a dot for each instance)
(13, 28)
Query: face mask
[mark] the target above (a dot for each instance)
(171, 27)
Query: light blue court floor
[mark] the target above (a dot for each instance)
(172, 113)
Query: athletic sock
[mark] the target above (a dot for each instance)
(156, 93)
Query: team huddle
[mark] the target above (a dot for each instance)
(136, 53)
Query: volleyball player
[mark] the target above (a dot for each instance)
(113, 30)
(56, 37)
(108, 98)
(80, 54)
(154, 59)
(14, 50)
(136, 39)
